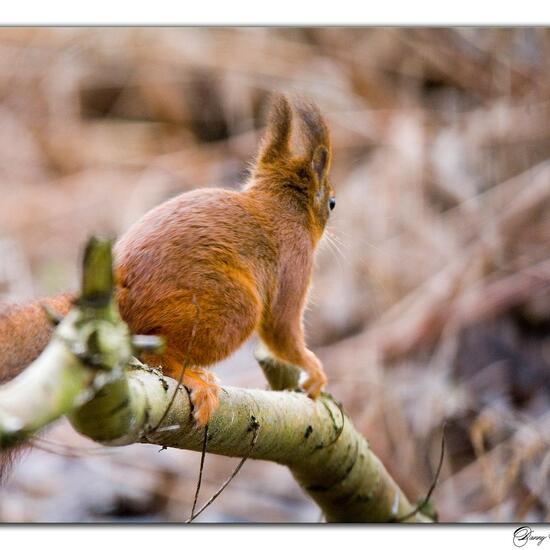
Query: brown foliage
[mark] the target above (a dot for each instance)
(431, 298)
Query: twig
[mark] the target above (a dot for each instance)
(69, 451)
(342, 417)
(420, 506)
(255, 426)
(199, 481)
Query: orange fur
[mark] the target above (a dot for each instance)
(24, 332)
(209, 267)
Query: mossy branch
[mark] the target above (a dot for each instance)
(88, 373)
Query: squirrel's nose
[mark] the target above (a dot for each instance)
(332, 203)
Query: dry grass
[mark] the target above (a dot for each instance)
(431, 301)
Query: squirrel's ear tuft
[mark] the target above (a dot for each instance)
(320, 163)
(314, 130)
(277, 138)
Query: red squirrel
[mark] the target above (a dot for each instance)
(208, 267)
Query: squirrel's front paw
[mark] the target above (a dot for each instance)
(314, 384)
(316, 379)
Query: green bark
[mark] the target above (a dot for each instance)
(87, 372)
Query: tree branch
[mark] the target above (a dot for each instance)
(87, 372)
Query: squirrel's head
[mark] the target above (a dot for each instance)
(300, 177)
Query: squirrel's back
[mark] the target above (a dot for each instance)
(195, 233)
(196, 266)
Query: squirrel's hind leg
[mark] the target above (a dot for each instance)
(204, 393)
(201, 383)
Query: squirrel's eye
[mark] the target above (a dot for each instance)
(332, 203)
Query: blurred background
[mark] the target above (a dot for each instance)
(431, 297)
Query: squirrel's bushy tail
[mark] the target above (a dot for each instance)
(25, 331)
